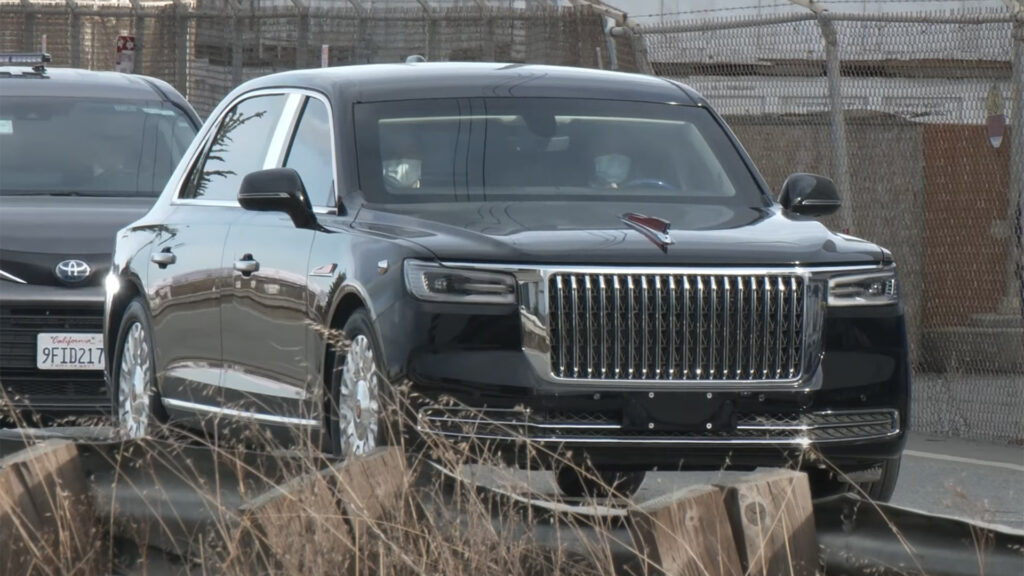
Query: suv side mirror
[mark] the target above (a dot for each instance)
(277, 190)
(809, 195)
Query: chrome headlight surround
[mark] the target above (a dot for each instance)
(879, 288)
(435, 282)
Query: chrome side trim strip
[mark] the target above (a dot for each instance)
(241, 414)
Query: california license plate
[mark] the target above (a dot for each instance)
(69, 351)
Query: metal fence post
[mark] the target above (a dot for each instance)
(181, 51)
(1014, 299)
(301, 34)
(75, 33)
(139, 31)
(28, 38)
(837, 121)
(236, 45)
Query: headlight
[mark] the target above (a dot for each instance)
(437, 283)
(111, 283)
(872, 289)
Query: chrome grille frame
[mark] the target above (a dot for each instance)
(761, 339)
(536, 316)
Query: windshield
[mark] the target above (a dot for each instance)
(529, 149)
(89, 146)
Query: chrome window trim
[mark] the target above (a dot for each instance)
(310, 94)
(535, 320)
(240, 414)
(207, 136)
(285, 128)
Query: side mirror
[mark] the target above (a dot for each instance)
(277, 190)
(809, 195)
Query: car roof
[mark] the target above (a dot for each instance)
(381, 82)
(80, 83)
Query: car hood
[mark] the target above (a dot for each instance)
(38, 232)
(592, 233)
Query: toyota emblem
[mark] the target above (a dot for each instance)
(72, 270)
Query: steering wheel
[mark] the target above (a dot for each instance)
(649, 183)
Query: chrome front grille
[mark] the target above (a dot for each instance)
(650, 327)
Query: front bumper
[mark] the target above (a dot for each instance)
(27, 310)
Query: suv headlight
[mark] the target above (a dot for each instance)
(437, 283)
(870, 289)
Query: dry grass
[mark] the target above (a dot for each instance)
(255, 505)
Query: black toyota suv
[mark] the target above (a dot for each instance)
(82, 153)
(583, 259)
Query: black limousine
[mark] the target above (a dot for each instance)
(584, 259)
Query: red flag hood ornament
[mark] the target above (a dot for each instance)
(654, 229)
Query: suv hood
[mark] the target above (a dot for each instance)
(38, 232)
(595, 233)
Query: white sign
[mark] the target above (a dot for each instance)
(69, 351)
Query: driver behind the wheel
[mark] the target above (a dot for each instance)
(611, 168)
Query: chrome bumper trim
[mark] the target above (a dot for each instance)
(826, 427)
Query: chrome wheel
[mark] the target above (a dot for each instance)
(358, 399)
(134, 393)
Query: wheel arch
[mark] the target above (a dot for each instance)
(129, 289)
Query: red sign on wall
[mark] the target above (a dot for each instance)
(125, 54)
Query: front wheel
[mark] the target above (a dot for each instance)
(826, 483)
(135, 400)
(358, 392)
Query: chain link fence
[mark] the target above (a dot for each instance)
(906, 112)
(917, 117)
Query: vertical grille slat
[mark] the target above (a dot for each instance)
(726, 332)
(617, 310)
(676, 326)
(673, 321)
(575, 303)
(631, 348)
(590, 325)
(700, 313)
(645, 329)
(738, 363)
(780, 295)
(686, 329)
(713, 336)
(794, 363)
(659, 324)
(766, 311)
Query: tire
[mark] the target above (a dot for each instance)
(576, 482)
(135, 400)
(825, 483)
(882, 489)
(357, 419)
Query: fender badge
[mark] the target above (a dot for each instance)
(654, 229)
(325, 270)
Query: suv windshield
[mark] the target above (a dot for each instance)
(511, 149)
(89, 146)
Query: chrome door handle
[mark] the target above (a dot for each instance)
(164, 258)
(247, 265)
